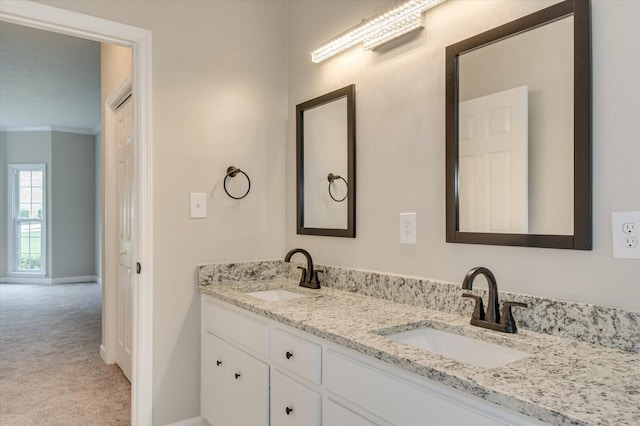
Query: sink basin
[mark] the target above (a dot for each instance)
(275, 295)
(460, 348)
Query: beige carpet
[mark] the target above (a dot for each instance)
(51, 372)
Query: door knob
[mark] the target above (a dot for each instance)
(288, 410)
(289, 355)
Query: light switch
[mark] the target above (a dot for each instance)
(197, 205)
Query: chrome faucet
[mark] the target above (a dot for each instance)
(492, 318)
(309, 278)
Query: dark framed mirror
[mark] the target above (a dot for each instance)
(326, 164)
(518, 132)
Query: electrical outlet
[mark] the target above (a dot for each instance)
(628, 228)
(630, 242)
(626, 233)
(407, 228)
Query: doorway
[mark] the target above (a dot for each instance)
(84, 26)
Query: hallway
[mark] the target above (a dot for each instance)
(51, 372)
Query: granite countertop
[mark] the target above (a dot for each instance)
(563, 382)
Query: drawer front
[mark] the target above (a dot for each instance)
(394, 399)
(335, 414)
(293, 404)
(296, 355)
(248, 332)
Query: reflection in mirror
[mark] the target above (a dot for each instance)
(518, 132)
(326, 164)
(515, 133)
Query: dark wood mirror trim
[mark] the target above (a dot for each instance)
(582, 238)
(350, 93)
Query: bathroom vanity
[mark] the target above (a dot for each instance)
(259, 371)
(329, 357)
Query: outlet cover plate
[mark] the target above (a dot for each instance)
(625, 229)
(407, 228)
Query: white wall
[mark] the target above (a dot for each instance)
(72, 183)
(219, 99)
(400, 112)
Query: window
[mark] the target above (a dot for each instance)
(27, 229)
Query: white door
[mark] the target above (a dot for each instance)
(493, 151)
(126, 209)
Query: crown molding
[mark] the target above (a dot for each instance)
(91, 132)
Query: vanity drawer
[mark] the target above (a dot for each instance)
(335, 414)
(292, 404)
(239, 328)
(394, 399)
(296, 355)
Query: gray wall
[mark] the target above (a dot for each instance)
(70, 197)
(73, 205)
(25, 148)
(3, 203)
(98, 207)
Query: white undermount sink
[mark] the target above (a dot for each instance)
(275, 295)
(460, 348)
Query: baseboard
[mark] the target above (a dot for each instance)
(74, 280)
(196, 421)
(62, 280)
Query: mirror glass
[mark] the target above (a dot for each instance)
(516, 144)
(326, 164)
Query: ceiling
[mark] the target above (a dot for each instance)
(48, 80)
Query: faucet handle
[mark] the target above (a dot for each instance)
(508, 321)
(315, 281)
(478, 311)
(303, 278)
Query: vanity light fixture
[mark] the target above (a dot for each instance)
(378, 30)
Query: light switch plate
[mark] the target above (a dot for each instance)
(197, 205)
(625, 229)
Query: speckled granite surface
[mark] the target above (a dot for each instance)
(606, 326)
(563, 382)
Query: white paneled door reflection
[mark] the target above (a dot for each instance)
(493, 152)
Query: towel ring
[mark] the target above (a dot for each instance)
(232, 172)
(331, 177)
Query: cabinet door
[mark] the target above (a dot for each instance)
(215, 379)
(248, 390)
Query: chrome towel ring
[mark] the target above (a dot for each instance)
(331, 177)
(232, 172)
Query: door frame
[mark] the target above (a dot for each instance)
(40, 16)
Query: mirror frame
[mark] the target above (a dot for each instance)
(350, 231)
(582, 206)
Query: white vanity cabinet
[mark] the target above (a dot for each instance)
(234, 382)
(400, 398)
(291, 378)
(235, 386)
